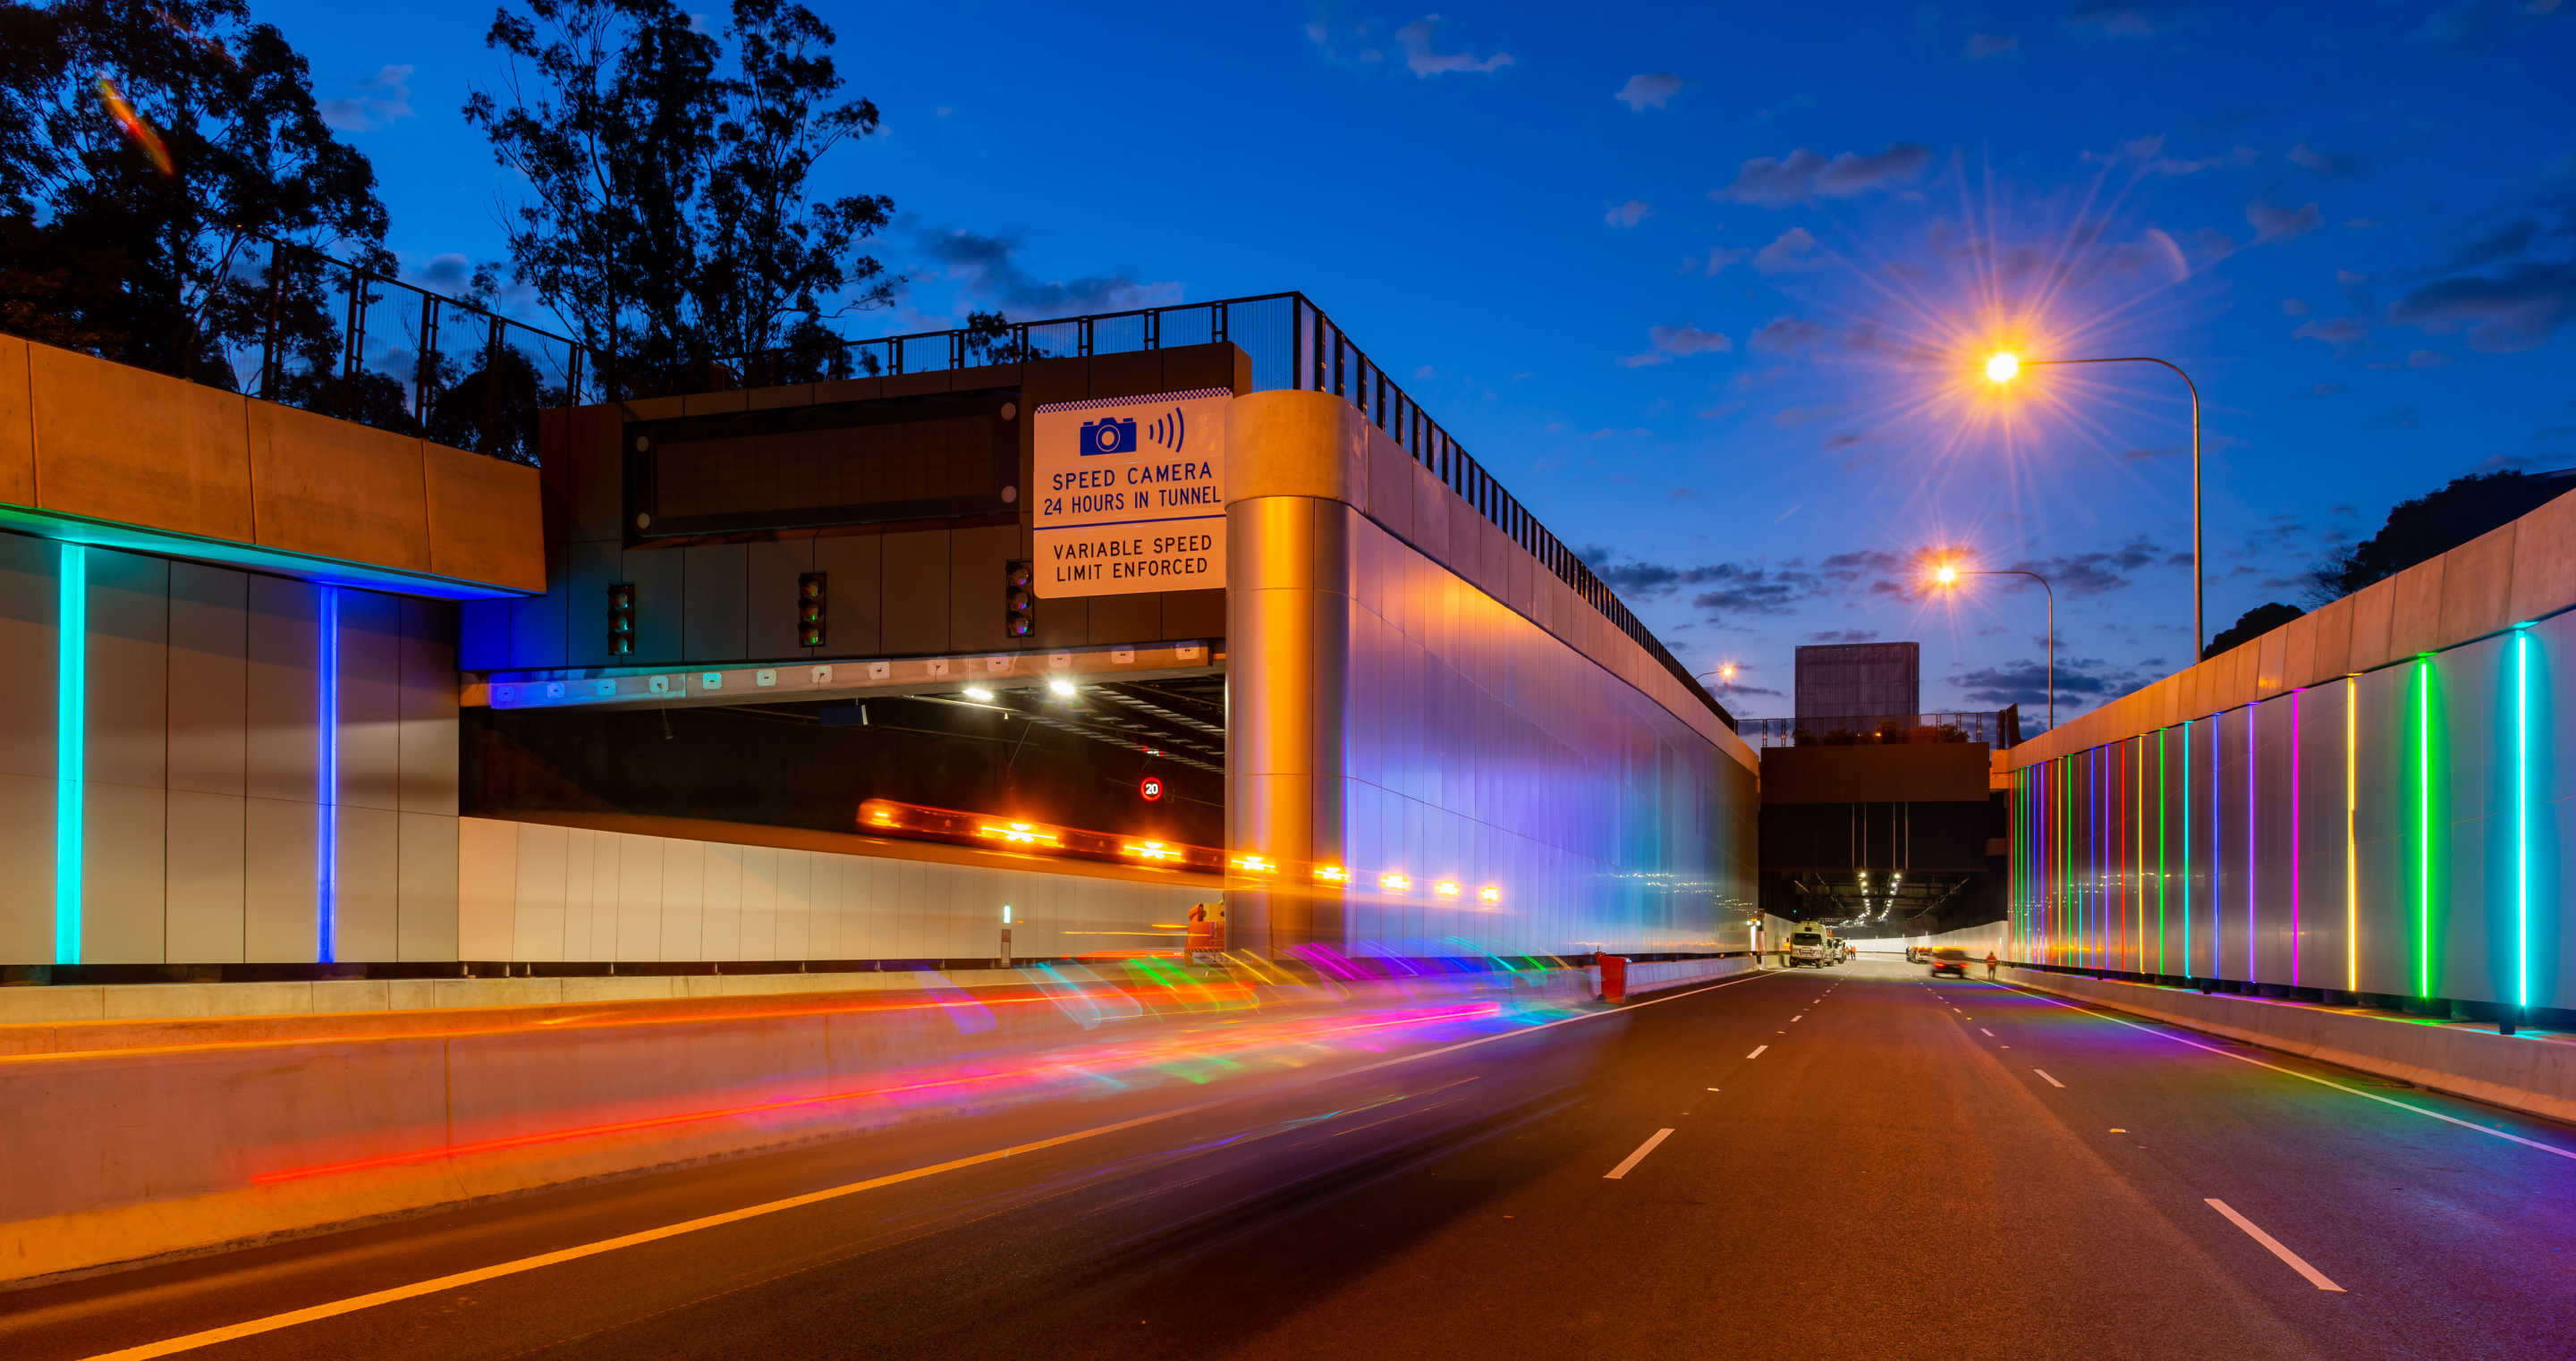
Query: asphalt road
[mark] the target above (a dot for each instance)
(1861, 1163)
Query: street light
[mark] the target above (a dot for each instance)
(2003, 366)
(1948, 575)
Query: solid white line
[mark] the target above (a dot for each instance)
(1637, 1157)
(254, 1327)
(1757, 1051)
(2315, 1277)
(2050, 1080)
(273, 1322)
(2355, 1091)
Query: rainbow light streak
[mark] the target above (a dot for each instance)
(326, 832)
(2351, 853)
(2522, 818)
(1196, 1056)
(71, 756)
(2294, 838)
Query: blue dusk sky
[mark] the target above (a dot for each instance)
(1709, 287)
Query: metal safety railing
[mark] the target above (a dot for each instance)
(1997, 728)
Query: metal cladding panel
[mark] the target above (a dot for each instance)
(124, 907)
(427, 888)
(209, 681)
(278, 922)
(30, 600)
(854, 613)
(429, 703)
(205, 856)
(129, 668)
(366, 901)
(282, 701)
(714, 603)
(370, 680)
(2398, 832)
(770, 571)
(1471, 748)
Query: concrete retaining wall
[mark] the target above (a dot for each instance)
(120, 1154)
(2519, 1072)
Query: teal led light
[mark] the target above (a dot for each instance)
(71, 755)
(2522, 818)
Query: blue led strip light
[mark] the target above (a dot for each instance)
(71, 755)
(2522, 818)
(326, 820)
(2186, 849)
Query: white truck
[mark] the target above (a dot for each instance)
(1814, 948)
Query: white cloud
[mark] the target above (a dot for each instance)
(1794, 249)
(1667, 343)
(1415, 38)
(381, 99)
(2282, 224)
(1629, 214)
(1804, 175)
(1652, 88)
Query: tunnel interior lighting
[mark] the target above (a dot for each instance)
(1006, 914)
(2522, 817)
(1060, 688)
(1396, 883)
(2423, 826)
(1490, 894)
(1251, 863)
(1446, 888)
(1332, 874)
(2351, 851)
(978, 694)
(1151, 850)
(2294, 838)
(71, 759)
(1021, 833)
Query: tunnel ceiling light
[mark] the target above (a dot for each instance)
(1395, 882)
(1446, 888)
(1061, 688)
(1332, 874)
(978, 693)
(1251, 863)
(1490, 894)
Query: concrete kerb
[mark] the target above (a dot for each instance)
(2520, 1073)
(115, 1164)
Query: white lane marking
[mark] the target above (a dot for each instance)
(1985, 1032)
(1637, 1157)
(273, 1322)
(2050, 1080)
(2310, 1077)
(254, 1327)
(1795, 1019)
(2315, 1277)
(1757, 1051)
(1712, 1089)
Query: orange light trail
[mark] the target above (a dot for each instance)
(138, 131)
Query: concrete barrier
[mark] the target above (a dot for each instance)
(130, 1141)
(2519, 1072)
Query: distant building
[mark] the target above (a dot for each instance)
(1843, 680)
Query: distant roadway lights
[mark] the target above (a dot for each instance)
(1490, 894)
(1394, 882)
(1948, 576)
(978, 694)
(2003, 366)
(1446, 888)
(1060, 688)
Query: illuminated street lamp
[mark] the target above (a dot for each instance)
(2003, 366)
(1947, 575)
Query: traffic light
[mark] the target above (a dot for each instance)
(1019, 598)
(621, 619)
(809, 607)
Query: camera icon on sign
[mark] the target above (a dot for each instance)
(1108, 435)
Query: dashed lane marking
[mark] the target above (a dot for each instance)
(1757, 1051)
(2315, 1277)
(2043, 1073)
(1637, 1157)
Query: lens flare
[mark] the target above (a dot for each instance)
(2002, 366)
(136, 130)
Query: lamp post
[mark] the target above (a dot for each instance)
(2003, 366)
(1949, 576)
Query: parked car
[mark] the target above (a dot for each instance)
(1950, 959)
